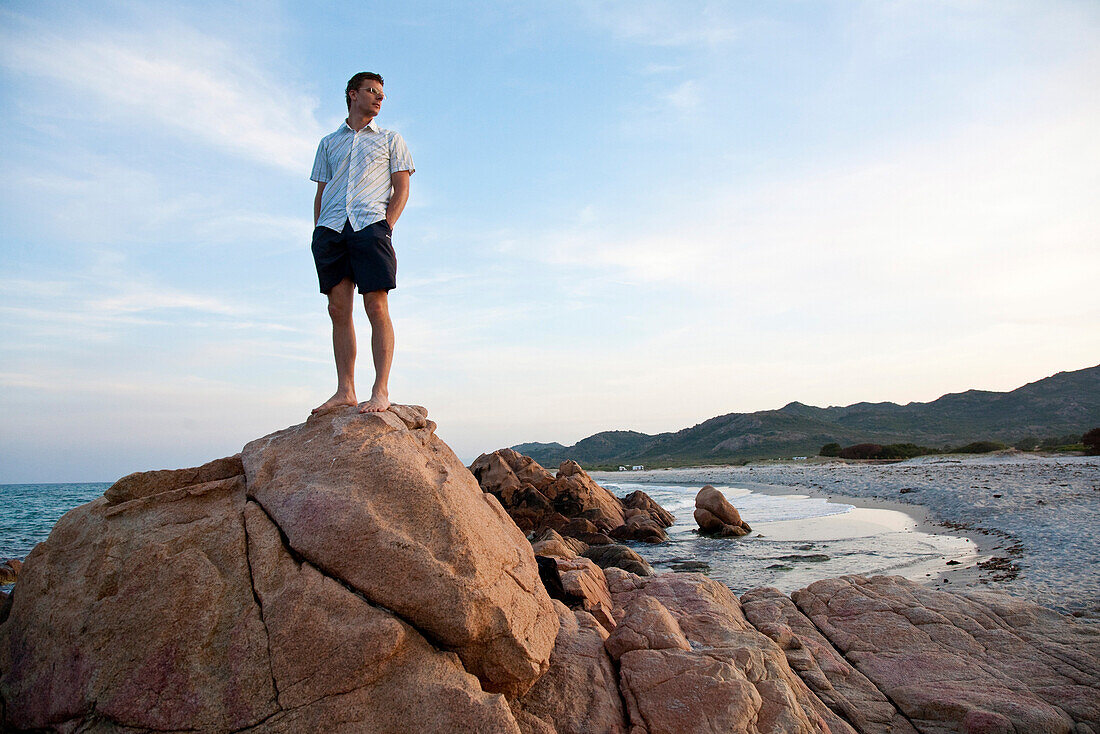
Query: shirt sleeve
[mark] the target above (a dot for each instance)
(322, 172)
(400, 157)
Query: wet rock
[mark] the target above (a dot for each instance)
(641, 501)
(716, 516)
(619, 556)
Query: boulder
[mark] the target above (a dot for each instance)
(140, 613)
(582, 579)
(574, 494)
(580, 692)
(379, 502)
(640, 526)
(716, 516)
(732, 677)
(551, 543)
(355, 579)
(645, 625)
(148, 483)
(620, 556)
(335, 657)
(9, 571)
(639, 500)
(962, 662)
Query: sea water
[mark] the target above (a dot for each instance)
(29, 511)
(796, 540)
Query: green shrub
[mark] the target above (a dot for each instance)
(1092, 441)
(980, 447)
(904, 451)
(861, 451)
(829, 449)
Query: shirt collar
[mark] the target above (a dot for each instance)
(372, 126)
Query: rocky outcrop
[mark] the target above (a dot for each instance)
(841, 687)
(689, 661)
(716, 516)
(570, 502)
(445, 557)
(355, 579)
(580, 692)
(962, 662)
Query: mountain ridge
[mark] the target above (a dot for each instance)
(1064, 403)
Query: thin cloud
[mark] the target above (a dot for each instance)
(198, 86)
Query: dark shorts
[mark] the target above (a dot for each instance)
(366, 257)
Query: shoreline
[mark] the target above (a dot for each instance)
(967, 573)
(1030, 519)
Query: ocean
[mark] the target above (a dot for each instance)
(795, 539)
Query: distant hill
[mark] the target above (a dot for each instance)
(1066, 403)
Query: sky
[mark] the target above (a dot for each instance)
(625, 215)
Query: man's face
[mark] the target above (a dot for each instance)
(368, 97)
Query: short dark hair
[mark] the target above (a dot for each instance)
(358, 79)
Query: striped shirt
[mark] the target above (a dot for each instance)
(356, 168)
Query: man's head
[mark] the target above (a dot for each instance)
(359, 85)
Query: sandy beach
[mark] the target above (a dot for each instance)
(1032, 518)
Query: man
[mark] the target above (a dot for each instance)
(362, 174)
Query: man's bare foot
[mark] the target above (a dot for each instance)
(340, 398)
(376, 404)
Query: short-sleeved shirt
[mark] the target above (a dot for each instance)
(356, 168)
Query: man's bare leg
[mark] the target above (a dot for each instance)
(341, 303)
(381, 343)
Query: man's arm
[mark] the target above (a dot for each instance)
(400, 181)
(317, 202)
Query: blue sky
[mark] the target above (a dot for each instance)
(625, 215)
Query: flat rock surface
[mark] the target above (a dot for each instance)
(962, 662)
(840, 686)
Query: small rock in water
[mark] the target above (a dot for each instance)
(809, 557)
(807, 546)
(690, 566)
(780, 567)
(952, 563)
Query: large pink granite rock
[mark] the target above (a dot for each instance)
(579, 693)
(140, 613)
(570, 502)
(716, 516)
(336, 658)
(189, 608)
(840, 686)
(962, 662)
(732, 678)
(380, 503)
